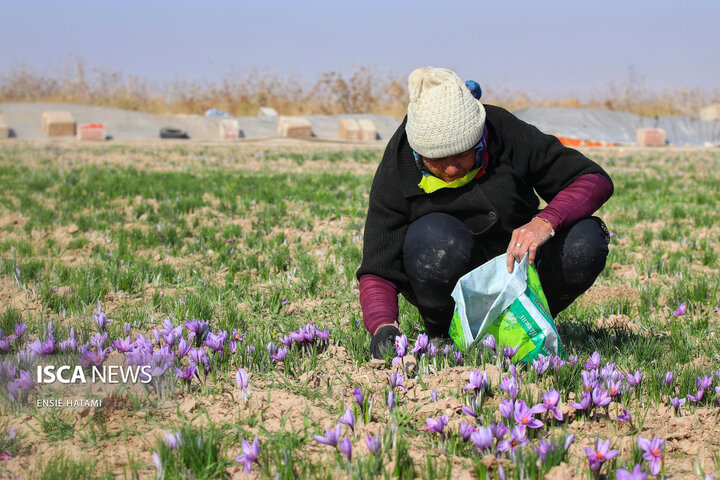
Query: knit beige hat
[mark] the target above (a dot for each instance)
(443, 117)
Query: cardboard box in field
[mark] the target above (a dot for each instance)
(294, 127)
(710, 113)
(4, 128)
(56, 123)
(368, 130)
(91, 132)
(349, 129)
(229, 129)
(651, 137)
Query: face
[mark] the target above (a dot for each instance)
(453, 167)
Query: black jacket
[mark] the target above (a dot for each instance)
(521, 159)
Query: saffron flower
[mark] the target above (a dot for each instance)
(550, 403)
(677, 403)
(280, 354)
(345, 446)
(466, 429)
(584, 404)
(421, 344)
(517, 439)
(541, 364)
(544, 447)
(20, 329)
(359, 397)
(331, 436)
(600, 397)
(625, 417)
(637, 474)
(100, 318)
(634, 379)
(391, 400)
(434, 396)
(348, 419)
(614, 387)
(186, 373)
(241, 377)
(478, 381)
(590, 379)
(396, 381)
(435, 426)
(499, 430)
(509, 385)
(680, 310)
(593, 362)
(653, 452)
(250, 454)
(489, 342)
(372, 443)
(173, 440)
(669, 376)
(482, 438)
(600, 454)
(697, 397)
(525, 416)
(510, 352)
(506, 408)
(704, 382)
(401, 346)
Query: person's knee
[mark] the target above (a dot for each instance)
(437, 248)
(585, 252)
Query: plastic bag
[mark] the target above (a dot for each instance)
(510, 306)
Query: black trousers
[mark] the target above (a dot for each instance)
(438, 249)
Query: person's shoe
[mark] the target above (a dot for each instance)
(383, 340)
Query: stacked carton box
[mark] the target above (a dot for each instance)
(710, 113)
(368, 130)
(294, 127)
(651, 137)
(349, 130)
(58, 123)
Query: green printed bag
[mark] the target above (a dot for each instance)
(510, 306)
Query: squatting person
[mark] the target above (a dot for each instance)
(455, 188)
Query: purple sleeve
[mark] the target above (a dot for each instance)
(578, 200)
(379, 302)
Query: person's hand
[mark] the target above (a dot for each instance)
(527, 238)
(383, 340)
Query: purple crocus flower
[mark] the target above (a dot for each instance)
(677, 403)
(20, 329)
(517, 439)
(401, 346)
(89, 357)
(467, 429)
(24, 380)
(625, 417)
(499, 430)
(600, 397)
(458, 357)
(541, 364)
(680, 310)
(489, 342)
(348, 419)
(198, 329)
(614, 387)
(590, 379)
(569, 439)
(345, 446)
(280, 354)
(469, 411)
(421, 344)
(509, 385)
(697, 397)
(478, 381)
(526, 416)
(186, 373)
(100, 318)
(482, 438)
(158, 464)
(42, 348)
(510, 352)
(435, 426)
(550, 402)
(593, 362)
(506, 408)
(250, 454)
(634, 379)
(216, 341)
(123, 345)
(173, 440)
(600, 454)
(127, 327)
(637, 474)
(241, 377)
(653, 452)
(5, 344)
(391, 400)
(704, 382)
(584, 404)
(669, 376)
(372, 444)
(396, 381)
(331, 436)
(434, 396)
(359, 397)
(183, 347)
(544, 447)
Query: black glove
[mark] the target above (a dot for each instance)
(383, 340)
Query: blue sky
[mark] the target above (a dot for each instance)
(541, 47)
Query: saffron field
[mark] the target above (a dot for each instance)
(229, 270)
